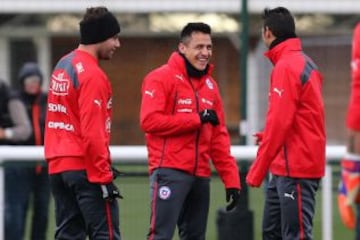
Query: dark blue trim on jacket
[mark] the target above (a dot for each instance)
(309, 67)
(66, 64)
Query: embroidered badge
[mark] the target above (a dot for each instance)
(164, 192)
(209, 84)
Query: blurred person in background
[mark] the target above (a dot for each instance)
(15, 127)
(292, 144)
(183, 118)
(14, 123)
(24, 182)
(349, 187)
(77, 134)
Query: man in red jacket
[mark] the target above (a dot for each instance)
(183, 118)
(349, 187)
(77, 134)
(293, 140)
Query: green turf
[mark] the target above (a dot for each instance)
(134, 211)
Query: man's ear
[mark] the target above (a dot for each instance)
(268, 33)
(181, 48)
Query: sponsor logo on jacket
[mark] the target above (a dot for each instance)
(185, 110)
(184, 101)
(108, 125)
(56, 107)
(59, 85)
(278, 91)
(179, 77)
(355, 64)
(79, 67)
(206, 101)
(209, 84)
(109, 103)
(150, 93)
(61, 125)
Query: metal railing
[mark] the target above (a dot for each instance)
(138, 155)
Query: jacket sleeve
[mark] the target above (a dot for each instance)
(283, 98)
(22, 127)
(355, 56)
(224, 163)
(157, 114)
(93, 99)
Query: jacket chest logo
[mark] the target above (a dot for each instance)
(184, 101)
(184, 105)
(209, 84)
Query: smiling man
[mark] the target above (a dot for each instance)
(183, 118)
(77, 134)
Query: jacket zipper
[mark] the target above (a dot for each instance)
(286, 161)
(197, 132)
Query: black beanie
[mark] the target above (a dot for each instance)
(98, 30)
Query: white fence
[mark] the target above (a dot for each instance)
(138, 154)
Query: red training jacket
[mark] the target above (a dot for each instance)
(77, 133)
(293, 141)
(174, 135)
(353, 113)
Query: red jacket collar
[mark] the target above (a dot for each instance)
(289, 45)
(87, 55)
(177, 61)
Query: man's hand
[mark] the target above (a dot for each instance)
(234, 195)
(110, 192)
(258, 137)
(209, 116)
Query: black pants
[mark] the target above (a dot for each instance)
(289, 208)
(357, 226)
(23, 183)
(80, 209)
(178, 198)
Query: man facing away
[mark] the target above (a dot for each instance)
(183, 118)
(349, 187)
(293, 141)
(77, 134)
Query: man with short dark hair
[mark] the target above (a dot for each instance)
(293, 141)
(77, 135)
(183, 118)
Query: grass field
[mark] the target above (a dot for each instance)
(134, 211)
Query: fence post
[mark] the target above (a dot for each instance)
(327, 232)
(2, 201)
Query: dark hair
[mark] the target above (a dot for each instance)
(94, 13)
(280, 21)
(194, 27)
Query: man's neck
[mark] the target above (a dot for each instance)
(90, 49)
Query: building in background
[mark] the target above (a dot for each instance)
(43, 31)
